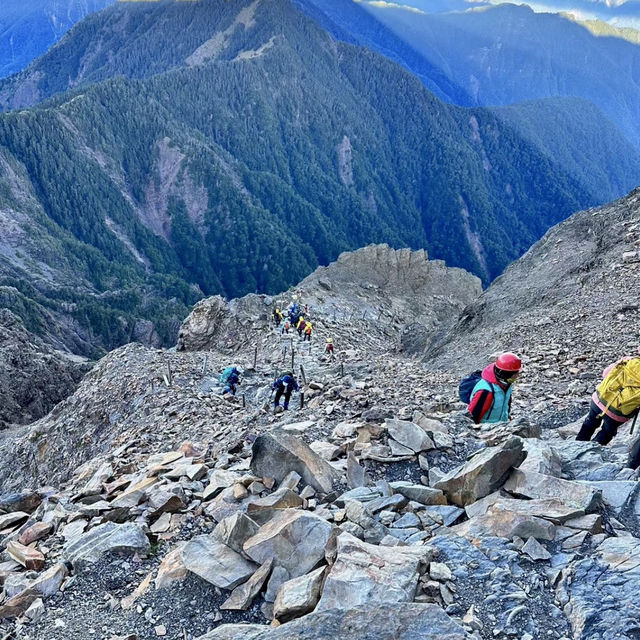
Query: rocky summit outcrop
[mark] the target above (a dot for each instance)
(400, 294)
(33, 377)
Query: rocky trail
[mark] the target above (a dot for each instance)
(148, 505)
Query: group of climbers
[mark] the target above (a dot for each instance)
(615, 401)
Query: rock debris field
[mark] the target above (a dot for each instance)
(149, 505)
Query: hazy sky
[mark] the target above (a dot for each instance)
(621, 13)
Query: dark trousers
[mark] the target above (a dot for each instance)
(280, 391)
(609, 427)
(307, 336)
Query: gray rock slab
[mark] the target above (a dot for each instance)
(366, 574)
(616, 494)
(299, 596)
(405, 621)
(275, 457)
(420, 493)
(483, 474)
(216, 563)
(235, 530)
(506, 524)
(409, 435)
(529, 484)
(296, 541)
(106, 538)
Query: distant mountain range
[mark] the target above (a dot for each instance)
(497, 56)
(29, 27)
(174, 149)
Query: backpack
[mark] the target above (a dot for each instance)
(620, 390)
(226, 374)
(465, 388)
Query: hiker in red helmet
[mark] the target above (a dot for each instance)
(491, 396)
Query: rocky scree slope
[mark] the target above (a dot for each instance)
(570, 306)
(376, 506)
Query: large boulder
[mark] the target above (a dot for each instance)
(409, 435)
(365, 573)
(405, 621)
(216, 563)
(105, 538)
(298, 596)
(296, 541)
(501, 523)
(483, 474)
(529, 484)
(276, 457)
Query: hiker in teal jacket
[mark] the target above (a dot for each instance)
(491, 397)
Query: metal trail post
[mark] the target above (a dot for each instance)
(342, 369)
(255, 357)
(304, 377)
(293, 358)
(244, 401)
(204, 366)
(302, 400)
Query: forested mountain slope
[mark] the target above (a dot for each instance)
(245, 147)
(500, 55)
(28, 29)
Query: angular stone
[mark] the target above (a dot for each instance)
(243, 595)
(419, 493)
(366, 574)
(12, 519)
(299, 596)
(398, 449)
(235, 530)
(100, 477)
(171, 568)
(615, 493)
(276, 457)
(404, 621)
(219, 480)
(298, 427)
(444, 515)
(537, 485)
(409, 435)
(106, 538)
(27, 501)
(263, 509)
(439, 571)
(326, 450)
(591, 523)
(541, 458)
(17, 605)
(296, 541)
(216, 563)
(480, 507)
(506, 524)
(535, 550)
(35, 532)
(483, 474)
(133, 496)
(191, 471)
(28, 557)
(162, 524)
(549, 509)
(162, 501)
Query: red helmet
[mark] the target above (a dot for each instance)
(509, 362)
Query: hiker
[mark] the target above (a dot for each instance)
(308, 328)
(615, 401)
(230, 377)
(285, 385)
(301, 325)
(278, 317)
(329, 347)
(490, 399)
(286, 326)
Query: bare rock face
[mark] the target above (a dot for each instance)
(401, 288)
(33, 377)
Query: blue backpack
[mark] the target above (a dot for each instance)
(226, 374)
(465, 388)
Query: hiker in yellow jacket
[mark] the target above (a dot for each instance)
(615, 401)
